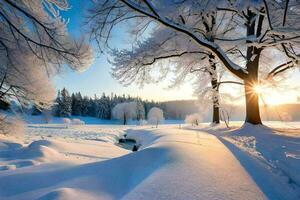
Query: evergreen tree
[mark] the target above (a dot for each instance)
(77, 104)
(57, 106)
(65, 107)
(85, 106)
(92, 107)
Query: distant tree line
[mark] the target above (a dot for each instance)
(75, 104)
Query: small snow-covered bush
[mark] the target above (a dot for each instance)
(66, 121)
(155, 116)
(142, 122)
(11, 125)
(77, 122)
(193, 119)
(285, 116)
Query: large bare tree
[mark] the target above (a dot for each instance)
(172, 53)
(261, 25)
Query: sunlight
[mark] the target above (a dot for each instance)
(258, 89)
(271, 95)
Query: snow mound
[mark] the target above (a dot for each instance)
(15, 156)
(38, 151)
(67, 194)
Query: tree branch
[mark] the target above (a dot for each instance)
(232, 67)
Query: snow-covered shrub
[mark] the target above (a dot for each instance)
(193, 119)
(66, 121)
(11, 125)
(142, 122)
(124, 111)
(77, 122)
(285, 116)
(155, 116)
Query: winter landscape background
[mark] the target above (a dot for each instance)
(149, 99)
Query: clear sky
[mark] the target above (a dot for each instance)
(97, 78)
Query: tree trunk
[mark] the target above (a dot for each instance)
(215, 87)
(252, 104)
(216, 102)
(216, 114)
(253, 55)
(124, 120)
(251, 96)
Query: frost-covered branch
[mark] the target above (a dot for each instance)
(34, 46)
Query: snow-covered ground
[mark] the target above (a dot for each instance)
(270, 154)
(53, 161)
(39, 119)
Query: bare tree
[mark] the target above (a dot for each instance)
(171, 53)
(260, 25)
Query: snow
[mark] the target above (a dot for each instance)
(39, 119)
(84, 162)
(270, 151)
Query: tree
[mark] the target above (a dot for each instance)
(92, 107)
(193, 119)
(261, 25)
(124, 111)
(57, 106)
(85, 106)
(172, 53)
(104, 107)
(155, 116)
(76, 104)
(65, 104)
(10, 125)
(34, 46)
(140, 110)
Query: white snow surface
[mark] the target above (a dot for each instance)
(84, 162)
(270, 153)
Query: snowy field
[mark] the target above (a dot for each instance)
(174, 161)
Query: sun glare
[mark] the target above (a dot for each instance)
(271, 96)
(258, 89)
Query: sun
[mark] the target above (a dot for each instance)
(272, 96)
(258, 89)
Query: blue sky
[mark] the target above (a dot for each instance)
(97, 78)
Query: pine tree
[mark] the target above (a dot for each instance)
(77, 104)
(57, 106)
(92, 107)
(65, 107)
(85, 106)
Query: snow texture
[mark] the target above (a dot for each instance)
(173, 162)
